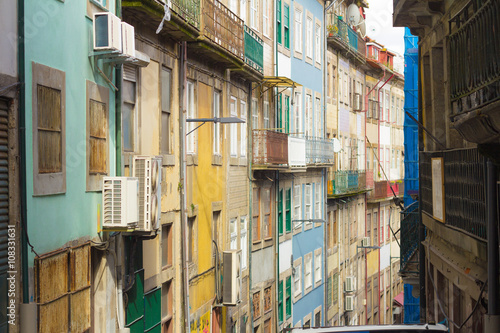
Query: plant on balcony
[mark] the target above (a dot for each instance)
(332, 30)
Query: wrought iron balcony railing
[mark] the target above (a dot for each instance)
(319, 151)
(188, 10)
(409, 235)
(342, 32)
(348, 181)
(223, 27)
(254, 50)
(473, 55)
(269, 148)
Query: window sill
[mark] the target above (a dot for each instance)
(216, 159)
(192, 159)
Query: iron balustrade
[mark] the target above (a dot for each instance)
(223, 27)
(410, 222)
(269, 147)
(474, 48)
(348, 181)
(188, 10)
(254, 50)
(464, 195)
(319, 151)
(351, 40)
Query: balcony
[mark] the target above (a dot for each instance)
(386, 189)
(254, 50)
(319, 151)
(270, 149)
(296, 152)
(410, 222)
(341, 35)
(349, 182)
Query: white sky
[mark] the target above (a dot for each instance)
(379, 25)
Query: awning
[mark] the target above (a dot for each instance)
(400, 299)
(278, 82)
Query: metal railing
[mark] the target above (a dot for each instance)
(319, 151)
(269, 147)
(296, 151)
(223, 27)
(188, 10)
(409, 234)
(474, 46)
(254, 50)
(340, 30)
(464, 181)
(347, 181)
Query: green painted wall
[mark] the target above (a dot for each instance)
(58, 35)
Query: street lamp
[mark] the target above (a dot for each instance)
(221, 120)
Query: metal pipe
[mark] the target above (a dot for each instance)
(493, 269)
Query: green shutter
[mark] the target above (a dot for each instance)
(288, 210)
(329, 292)
(280, 212)
(287, 114)
(280, 118)
(280, 301)
(287, 26)
(278, 21)
(288, 296)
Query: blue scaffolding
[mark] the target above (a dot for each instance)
(411, 304)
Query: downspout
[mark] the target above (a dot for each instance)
(325, 252)
(276, 251)
(250, 201)
(378, 280)
(22, 148)
(118, 121)
(182, 133)
(421, 229)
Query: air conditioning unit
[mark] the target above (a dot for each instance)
(107, 32)
(128, 40)
(119, 202)
(357, 102)
(349, 284)
(365, 242)
(349, 303)
(148, 170)
(232, 277)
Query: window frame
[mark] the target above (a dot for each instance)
(297, 16)
(286, 26)
(254, 10)
(318, 276)
(216, 111)
(309, 37)
(244, 241)
(243, 130)
(48, 183)
(317, 39)
(191, 139)
(308, 273)
(133, 80)
(233, 136)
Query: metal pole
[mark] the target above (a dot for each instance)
(491, 204)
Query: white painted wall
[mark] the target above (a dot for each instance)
(8, 37)
(284, 65)
(385, 256)
(262, 265)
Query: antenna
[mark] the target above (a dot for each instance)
(336, 145)
(362, 28)
(353, 15)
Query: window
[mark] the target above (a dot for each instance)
(318, 120)
(393, 113)
(317, 39)
(49, 130)
(233, 6)
(267, 123)
(297, 280)
(216, 126)
(128, 107)
(234, 130)
(254, 19)
(286, 25)
(191, 235)
(267, 299)
(243, 241)
(191, 113)
(243, 130)
(388, 227)
(382, 225)
(233, 232)
(317, 319)
(166, 80)
(298, 113)
(167, 306)
(296, 205)
(317, 267)
(317, 201)
(267, 326)
(387, 106)
(288, 210)
(166, 245)
(288, 297)
(341, 95)
(265, 20)
(280, 301)
(298, 30)
(243, 10)
(280, 212)
(393, 160)
(346, 88)
(307, 271)
(256, 305)
(308, 116)
(266, 204)
(97, 135)
(278, 21)
(255, 114)
(308, 205)
(309, 37)
(255, 214)
(335, 288)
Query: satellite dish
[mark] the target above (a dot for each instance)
(353, 15)
(336, 145)
(362, 28)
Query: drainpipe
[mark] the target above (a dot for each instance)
(118, 121)
(22, 148)
(182, 133)
(250, 202)
(492, 318)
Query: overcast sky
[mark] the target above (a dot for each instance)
(379, 25)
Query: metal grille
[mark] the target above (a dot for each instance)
(188, 10)
(319, 150)
(409, 234)
(270, 147)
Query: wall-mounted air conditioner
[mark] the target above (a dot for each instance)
(365, 242)
(148, 170)
(232, 277)
(350, 284)
(128, 40)
(349, 303)
(107, 32)
(357, 103)
(119, 202)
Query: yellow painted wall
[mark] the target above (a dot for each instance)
(149, 121)
(372, 263)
